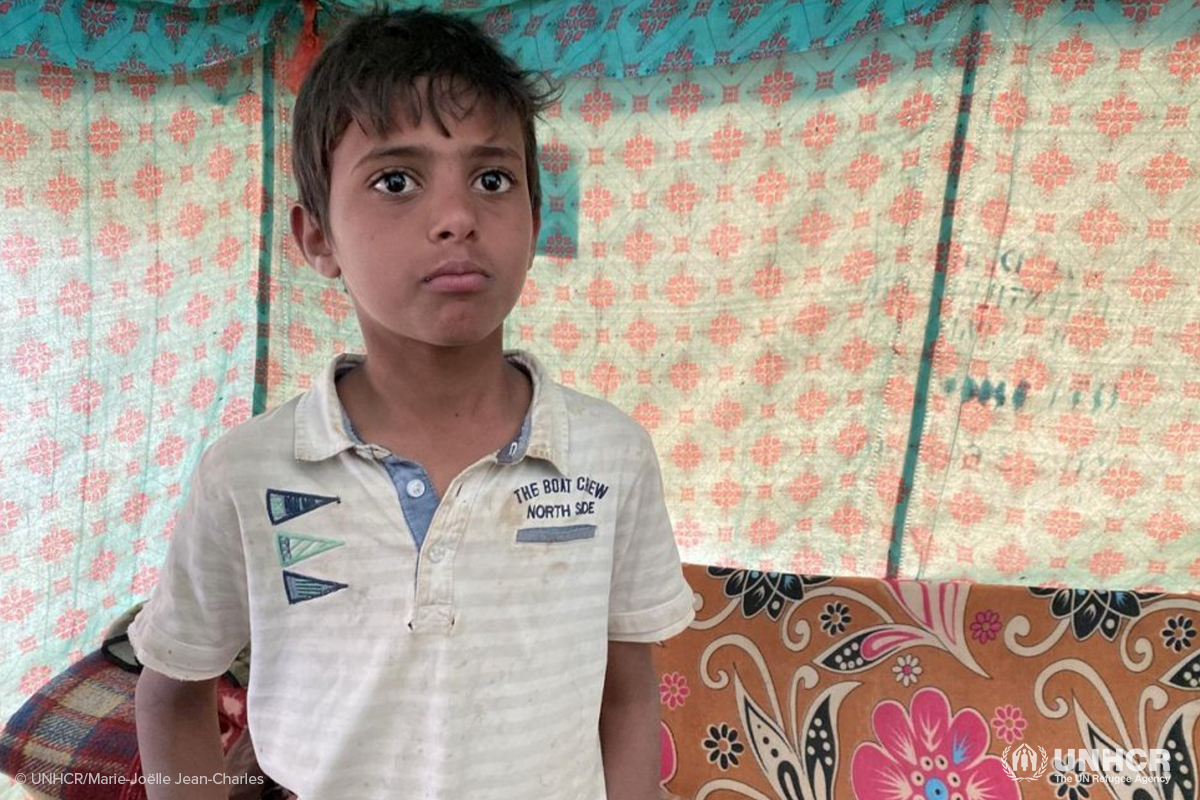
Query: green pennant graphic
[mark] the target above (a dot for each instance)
(294, 548)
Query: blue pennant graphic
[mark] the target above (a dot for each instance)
(301, 587)
(282, 505)
(294, 548)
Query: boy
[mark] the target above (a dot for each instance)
(450, 567)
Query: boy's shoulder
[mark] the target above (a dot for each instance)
(580, 409)
(259, 440)
(595, 418)
(581, 404)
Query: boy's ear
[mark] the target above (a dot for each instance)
(313, 243)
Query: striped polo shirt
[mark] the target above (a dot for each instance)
(463, 661)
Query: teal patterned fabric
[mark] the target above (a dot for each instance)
(141, 37)
(593, 37)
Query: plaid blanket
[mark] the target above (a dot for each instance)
(82, 723)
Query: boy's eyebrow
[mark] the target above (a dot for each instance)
(422, 153)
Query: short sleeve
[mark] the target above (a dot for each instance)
(649, 600)
(197, 618)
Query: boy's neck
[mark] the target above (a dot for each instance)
(433, 386)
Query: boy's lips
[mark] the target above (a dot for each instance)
(456, 276)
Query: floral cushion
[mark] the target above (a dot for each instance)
(797, 686)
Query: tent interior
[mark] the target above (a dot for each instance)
(899, 288)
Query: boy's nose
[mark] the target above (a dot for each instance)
(452, 217)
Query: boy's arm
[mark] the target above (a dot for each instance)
(178, 734)
(629, 723)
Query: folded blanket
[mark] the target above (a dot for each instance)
(76, 737)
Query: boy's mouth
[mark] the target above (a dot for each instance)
(456, 276)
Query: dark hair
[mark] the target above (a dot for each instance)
(370, 67)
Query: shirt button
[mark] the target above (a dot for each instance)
(437, 553)
(415, 487)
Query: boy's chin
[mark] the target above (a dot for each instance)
(461, 339)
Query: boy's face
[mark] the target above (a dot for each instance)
(433, 235)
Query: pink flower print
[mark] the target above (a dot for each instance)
(20, 254)
(916, 110)
(673, 691)
(873, 70)
(1100, 227)
(776, 88)
(1051, 169)
(1166, 173)
(1121, 482)
(17, 604)
(1184, 61)
(1165, 525)
(63, 193)
(56, 83)
(771, 187)
(726, 494)
(768, 281)
(183, 125)
(1116, 116)
(1009, 723)
(973, 44)
(1150, 283)
(1072, 58)
(14, 140)
(726, 144)
(685, 100)
(1030, 9)
(820, 130)
(71, 623)
(1142, 10)
(1087, 331)
(985, 626)
(1010, 109)
(34, 679)
(815, 228)
(639, 152)
(10, 515)
(1137, 386)
(1011, 559)
(1107, 563)
(926, 750)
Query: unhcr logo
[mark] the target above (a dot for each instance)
(1146, 766)
(1024, 764)
(1115, 766)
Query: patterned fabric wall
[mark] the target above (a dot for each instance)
(1071, 292)
(128, 250)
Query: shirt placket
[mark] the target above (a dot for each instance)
(433, 606)
(437, 535)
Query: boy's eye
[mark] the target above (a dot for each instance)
(494, 181)
(394, 183)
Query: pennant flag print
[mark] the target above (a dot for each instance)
(294, 548)
(302, 587)
(283, 505)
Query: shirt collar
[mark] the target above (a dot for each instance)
(320, 433)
